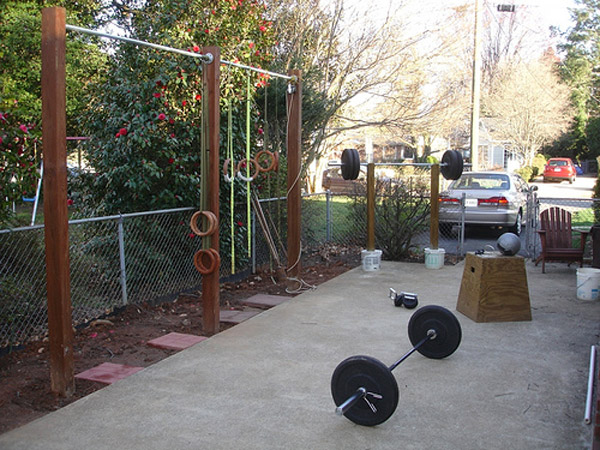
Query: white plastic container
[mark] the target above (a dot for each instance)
(588, 283)
(434, 258)
(371, 260)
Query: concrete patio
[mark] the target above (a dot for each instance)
(266, 382)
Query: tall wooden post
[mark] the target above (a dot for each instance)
(54, 136)
(294, 162)
(211, 76)
(370, 206)
(434, 223)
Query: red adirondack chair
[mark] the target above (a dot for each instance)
(556, 236)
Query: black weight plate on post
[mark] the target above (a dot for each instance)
(453, 168)
(373, 375)
(350, 164)
(446, 326)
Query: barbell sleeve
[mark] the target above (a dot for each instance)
(361, 392)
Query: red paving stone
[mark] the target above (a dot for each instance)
(235, 316)
(265, 300)
(108, 373)
(176, 341)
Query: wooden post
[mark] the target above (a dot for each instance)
(211, 76)
(54, 138)
(371, 206)
(434, 223)
(294, 162)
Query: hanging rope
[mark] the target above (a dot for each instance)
(248, 197)
(231, 182)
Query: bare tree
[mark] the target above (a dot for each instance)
(530, 104)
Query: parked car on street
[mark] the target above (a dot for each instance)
(560, 169)
(496, 199)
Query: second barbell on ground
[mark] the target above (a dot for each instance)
(451, 166)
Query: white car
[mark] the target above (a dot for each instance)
(491, 199)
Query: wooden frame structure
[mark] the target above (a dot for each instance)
(60, 328)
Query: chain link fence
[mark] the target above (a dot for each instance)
(148, 257)
(583, 216)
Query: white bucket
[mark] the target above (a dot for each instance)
(434, 258)
(588, 283)
(371, 260)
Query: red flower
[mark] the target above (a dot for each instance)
(196, 48)
(69, 202)
(240, 224)
(172, 135)
(23, 128)
(263, 28)
(184, 102)
(198, 97)
(161, 116)
(171, 121)
(191, 235)
(0, 140)
(171, 160)
(123, 132)
(157, 94)
(260, 131)
(251, 45)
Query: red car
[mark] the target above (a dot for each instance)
(559, 169)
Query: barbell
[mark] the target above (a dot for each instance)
(364, 389)
(451, 166)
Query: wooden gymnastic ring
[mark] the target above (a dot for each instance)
(271, 163)
(239, 167)
(215, 260)
(212, 223)
(226, 170)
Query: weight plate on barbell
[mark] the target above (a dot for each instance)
(453, 165)
(446, 326)
(350, 164)
(373, 375)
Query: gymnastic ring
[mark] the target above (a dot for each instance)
(226, 171)
(212, 223)
(239, 172)
(271, 163)
(215, 260)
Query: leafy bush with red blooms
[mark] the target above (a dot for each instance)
(145, 121)
(18, 171)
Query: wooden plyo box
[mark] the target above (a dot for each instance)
(494, 289)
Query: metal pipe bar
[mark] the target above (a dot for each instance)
(256, 69)
(431, 334)
(589, 399)
(208, 58)
(361, 392)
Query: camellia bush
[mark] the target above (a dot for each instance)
(145, 121)
(18, 171)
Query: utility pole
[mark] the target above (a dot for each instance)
(475, 96)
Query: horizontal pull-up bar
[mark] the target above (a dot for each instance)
(256, 69)
(205, 58)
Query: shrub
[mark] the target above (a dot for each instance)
(538, 164)
(402, 212)
(526, 172)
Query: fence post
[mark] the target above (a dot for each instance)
(123, 271)
(328, 215)
(463, 201)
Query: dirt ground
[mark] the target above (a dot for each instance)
(121, 338)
